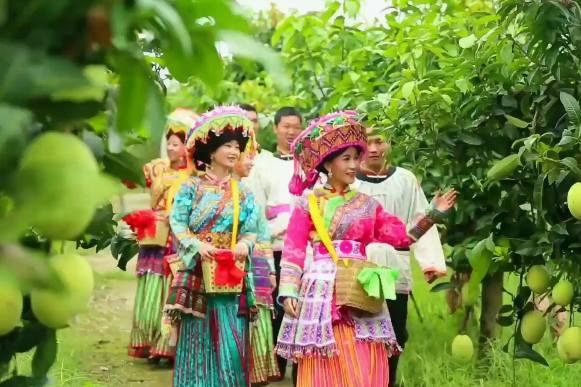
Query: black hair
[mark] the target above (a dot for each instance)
(180, 135)
(203, 152)
(247, 107)
(333, 155)
(286, 111)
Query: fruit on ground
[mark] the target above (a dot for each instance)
(10, 306)
(533, 327)
(469, 297)
(563, 293)
(462, 348)
(561, 352)
(574, 200)
(56, 308)
(504, 167)
(57, 148)
(571, 339)
(538, 279)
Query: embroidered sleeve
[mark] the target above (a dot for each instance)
(147, 173)
(391, 230)
(249, 227)
(188, 244)
(295, 250)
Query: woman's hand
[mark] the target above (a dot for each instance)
(445, 202)
(241, 251)
(273, 281)
(290, 306)
(207, 251)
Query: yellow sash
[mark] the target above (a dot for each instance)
(236, 201)
(321, 229)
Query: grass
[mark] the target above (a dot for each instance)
(93, 352)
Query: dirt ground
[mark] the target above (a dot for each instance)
(100, 338)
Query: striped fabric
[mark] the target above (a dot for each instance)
(146, 339)
(359, 363)
(214, 351)
(264, 367)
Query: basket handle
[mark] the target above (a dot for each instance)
(322, 230)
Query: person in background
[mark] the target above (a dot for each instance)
(252, 116)
(161, 176)
(269, 181)
(213, 217)
(400, 194)
(263, 364)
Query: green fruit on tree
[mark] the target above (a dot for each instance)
(561, 352)
(95, 91)
(10, 306)
(504, 167)
(56, 308)
(533, 327)
(538, 279)
(571, 339)
(574, 200)
(563, 293)
(462, 348)
(469, 297)
(57, 148)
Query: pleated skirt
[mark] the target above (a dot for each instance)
(359, 363)
(214, 351)
(263, 365)
(146, 339)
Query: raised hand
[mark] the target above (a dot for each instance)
(445, 202)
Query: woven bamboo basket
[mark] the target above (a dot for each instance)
(161, 234)
(350, 292)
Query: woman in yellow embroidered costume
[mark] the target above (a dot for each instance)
(334, 343)
(161, 176)
(214, 218)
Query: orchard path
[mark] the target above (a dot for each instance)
(99, 341)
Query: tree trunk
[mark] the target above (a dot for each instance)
(491, 304)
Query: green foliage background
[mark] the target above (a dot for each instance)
(456, 85)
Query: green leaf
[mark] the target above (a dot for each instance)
(125, 166)
(330, 12)
(506, 53)
(24, 381)
(526, 351)
(538, 192)
(442, 286)
(281, 28)
(560, 228)
(246, 47)
(471, 139)
(172, 22)
(506, 309)
(571, 164)
(407, 88)
(133, 93)
(468, 41)
(571, 107)
(45, 355)
(155, 118)
(516, 122)
(505, 321)
(343, 102)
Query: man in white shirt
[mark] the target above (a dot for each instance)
(400, 193)
(269, 181)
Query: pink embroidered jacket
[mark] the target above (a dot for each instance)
(351, 216)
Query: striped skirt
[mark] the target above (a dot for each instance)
(263, 365)
(359, 363)
(146, 339)
(214, 351)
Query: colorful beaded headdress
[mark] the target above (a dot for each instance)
(324, 136)
(219, 120)
(181, 120)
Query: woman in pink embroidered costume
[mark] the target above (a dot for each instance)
(163, 177)
(337, 346)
